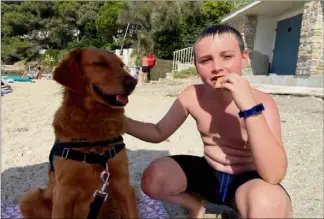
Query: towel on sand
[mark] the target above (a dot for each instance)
(148, 208)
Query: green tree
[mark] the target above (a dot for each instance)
(192, 23)
(22, 26)
(68, 11)
(140, 14)
(156, 27)
(159, 27)
(13, 49)
(167, 29)
(107, 20)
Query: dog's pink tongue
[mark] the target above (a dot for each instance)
(122, 99)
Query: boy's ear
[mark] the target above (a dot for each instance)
(68, 72)
(245, 58)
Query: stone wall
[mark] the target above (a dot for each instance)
(247, 27)
(248, 33)
(310, 54)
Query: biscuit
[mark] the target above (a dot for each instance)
(218, 83)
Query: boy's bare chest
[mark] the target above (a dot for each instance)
(220, 126)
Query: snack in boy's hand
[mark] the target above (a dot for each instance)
(218, 83)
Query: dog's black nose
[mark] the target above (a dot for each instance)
(129, 82)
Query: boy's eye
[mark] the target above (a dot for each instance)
(203, 60)
(228, 56)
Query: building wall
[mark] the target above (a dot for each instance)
(259, 37)
(265, 36)
(247, 27)
(254, 31)
(310, 54)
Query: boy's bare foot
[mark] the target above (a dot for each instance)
(198, 211)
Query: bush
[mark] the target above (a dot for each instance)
(13, 49)
(160, 69)
(50, 58)
(62, 54)
(87, 42)
(185, 73)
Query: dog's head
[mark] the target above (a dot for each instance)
(98, 73)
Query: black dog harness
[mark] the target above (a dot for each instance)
(64, 149)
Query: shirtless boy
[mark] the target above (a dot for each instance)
(244, 159)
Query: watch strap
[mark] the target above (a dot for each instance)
(253, 111)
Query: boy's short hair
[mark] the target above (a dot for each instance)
(220, 29)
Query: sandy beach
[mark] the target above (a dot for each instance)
(27, 137)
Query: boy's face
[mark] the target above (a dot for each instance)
(217, 56)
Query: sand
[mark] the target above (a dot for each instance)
(27, 137)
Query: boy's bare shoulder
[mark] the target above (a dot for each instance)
(264, 98)
(192, 89)
(191, 93)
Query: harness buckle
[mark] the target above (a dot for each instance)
(112, 152)
(85, 156)
(65, 153)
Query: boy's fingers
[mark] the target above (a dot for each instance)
(229, 79)
(227, 86)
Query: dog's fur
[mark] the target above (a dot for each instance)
(84, 115)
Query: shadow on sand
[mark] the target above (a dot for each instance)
(15, 181)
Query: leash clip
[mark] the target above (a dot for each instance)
(105, 183)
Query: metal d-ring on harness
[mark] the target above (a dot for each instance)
(64, 150)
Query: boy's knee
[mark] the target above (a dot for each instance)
(153, 181)
(263, 199)
(163, 178)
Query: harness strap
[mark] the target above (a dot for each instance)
(59, 147)
(85, 143)
(88, 157)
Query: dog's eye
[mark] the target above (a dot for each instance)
(100, 63)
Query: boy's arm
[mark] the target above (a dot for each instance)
(264, 134)
(172, 120)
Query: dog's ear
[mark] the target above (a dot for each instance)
(68, 72)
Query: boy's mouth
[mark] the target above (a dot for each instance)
(215, 78)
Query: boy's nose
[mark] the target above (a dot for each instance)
(218, 66)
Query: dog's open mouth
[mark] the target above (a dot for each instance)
(114, 100)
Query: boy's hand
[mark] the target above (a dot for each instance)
(240, 89)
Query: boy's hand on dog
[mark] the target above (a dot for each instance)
(240, 89)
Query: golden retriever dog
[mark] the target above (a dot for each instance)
(88, 127)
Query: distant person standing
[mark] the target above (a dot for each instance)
(148, 62)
